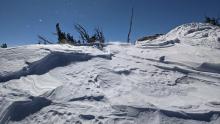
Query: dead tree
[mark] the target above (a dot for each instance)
(99, 35)
(97, 38)
(83, 33)
(130, 26)
(43, 40)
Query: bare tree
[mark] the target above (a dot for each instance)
(99, 35)
(83, 33)
(97, 38)
(43, 40)
(130, 26)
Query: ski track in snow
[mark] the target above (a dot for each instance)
(120, 84)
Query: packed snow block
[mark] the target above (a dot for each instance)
(21, 109)
(49, 62)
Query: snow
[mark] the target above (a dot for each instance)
(194, 34)
(122, 83)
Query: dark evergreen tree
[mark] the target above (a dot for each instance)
(213, 21)
(207, 19)
(61, 35)
(92, 39)
(70, 39)
(4, 45)
(79, 42)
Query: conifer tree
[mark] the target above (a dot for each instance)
(4, 45)
(213, 21)
(70, 39)
(61, 35)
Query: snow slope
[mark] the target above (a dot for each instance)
(174, 79)
(194, 34)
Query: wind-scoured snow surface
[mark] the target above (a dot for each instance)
(174, 79)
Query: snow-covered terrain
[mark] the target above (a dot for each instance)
(174, 79)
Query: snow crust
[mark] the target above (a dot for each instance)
(57, 84)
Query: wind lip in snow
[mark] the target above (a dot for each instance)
(49, 62)
(21, 109)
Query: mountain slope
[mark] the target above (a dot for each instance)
(194, 34)
(156, 82)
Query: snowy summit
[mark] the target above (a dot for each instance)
(166, 79)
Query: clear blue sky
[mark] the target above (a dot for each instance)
(22, 20)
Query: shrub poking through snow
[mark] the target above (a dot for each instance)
(213, 21)
(4, 45)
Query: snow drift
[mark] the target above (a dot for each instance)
(173, 79)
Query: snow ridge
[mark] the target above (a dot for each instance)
(196, 34)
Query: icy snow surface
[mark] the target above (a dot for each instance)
(174, 79)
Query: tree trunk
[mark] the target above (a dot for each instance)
(130, 27)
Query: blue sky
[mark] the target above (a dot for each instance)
(22, 20)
